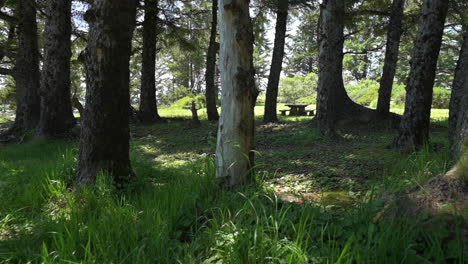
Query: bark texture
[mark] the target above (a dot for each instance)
(148, 111)
(26, 71)
(394, 32)
(234, 155)
(334, 107)
(271, 100)
(104, 142)
(414, 127)
(210, 73)
(459, 94)
(56, 107)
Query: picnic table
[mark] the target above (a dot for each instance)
(297, 109)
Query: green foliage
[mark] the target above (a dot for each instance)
(307, 100)
(176, 94)
(441, 98)
(261, 52)
(175, 213)
(291, 89)
(303, 56)
(186, 102)
(8, 92)
(366, 93)
(398, 96)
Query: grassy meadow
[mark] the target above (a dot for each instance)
(313, 200)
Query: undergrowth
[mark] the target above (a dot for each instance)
(178, 215)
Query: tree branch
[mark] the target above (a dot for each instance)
(364, 51)
(8, 18)
(367, 12)
(5, 71)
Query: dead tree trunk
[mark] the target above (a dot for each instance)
(148, 111)
(56, 107)
(459, 94)
(26, 71)
(210, 73)
(271, 100)
(414, 128)
(104, 142)
(234, 155)
(334, 107)
(394, 32)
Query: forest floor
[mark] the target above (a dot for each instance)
(314, 200)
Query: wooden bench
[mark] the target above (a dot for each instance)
(283, 112)
(310, 112)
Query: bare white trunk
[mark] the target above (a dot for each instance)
(234, 156)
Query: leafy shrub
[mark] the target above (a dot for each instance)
(291, 89)
(261, 98)
(8, 93)
(441, 98)
(398, 96)
(186, 102)
(365, 92)
(174, 95)
(307, 100)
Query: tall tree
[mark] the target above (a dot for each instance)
(414, 127)
(395, 30)
(56, 108)
(26, 71)
(271, 100)
(210, 74)
(302, 57)
(104, 142)
(453, 185)
(148, 107)
(459, 95)
(234, 155)
(333, 103)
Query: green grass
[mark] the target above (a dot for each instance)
(175, 213)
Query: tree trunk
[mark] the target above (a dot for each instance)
(210, 73)
(78, 106)
(452, 188)
(414, 128)
(234, 152)
(391, 57)
(334, 107)
(460, 135)
(194, 110)
(26, 70)
(458, 104)
(148, 111)
(276, 63)
(56, 108)
(104, 142)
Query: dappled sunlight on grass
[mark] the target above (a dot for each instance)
(314, 200)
